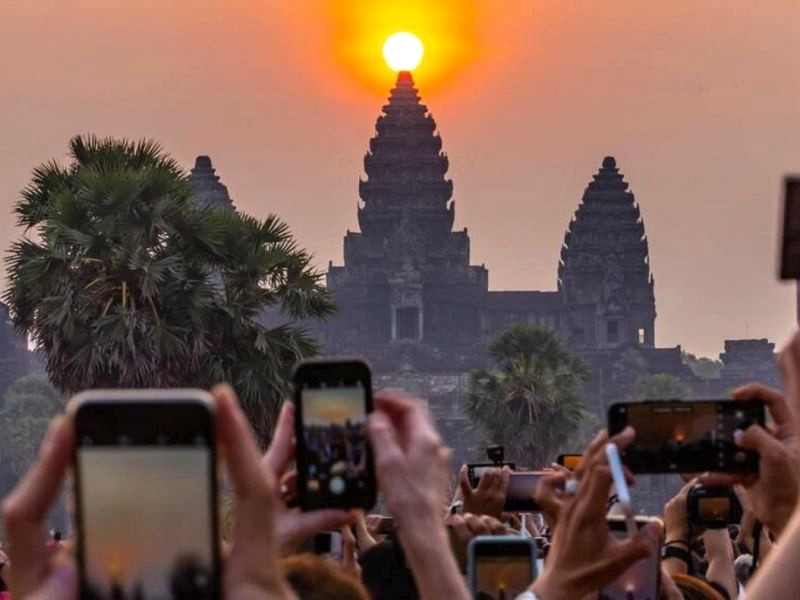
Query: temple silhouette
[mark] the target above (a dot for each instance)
(423, 316)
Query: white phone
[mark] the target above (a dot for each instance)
(623, 493)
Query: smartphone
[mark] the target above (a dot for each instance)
(687, 436)
(713, 507)
(569, 461)
(642, 579)
(790, 247)
(521, 487)
(145, 470)
(500, 567)
(475, 470)
(334, 460)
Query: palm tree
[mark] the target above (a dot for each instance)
(531, 402)
(125, 282)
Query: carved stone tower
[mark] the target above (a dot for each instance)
(208, 190)
(604, 274)
(406, 283)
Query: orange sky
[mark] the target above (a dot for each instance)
(697, 100)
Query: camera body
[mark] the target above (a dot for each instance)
(496, 454)
(713, 507)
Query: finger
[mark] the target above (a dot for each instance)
(488, 480)
(463, 483)
(757, 438)
(596, 445)
(282, 447)
(385, 445)
(304, 525)
(25, 508)
(289, 486)
(458, 525)
(476, 525)
(720, 479)
(775, 401)
(626, 552)
(624, 438)
(502, 484)
(254, 539)
(496, 527)
(789, 363)
(548, 490)
(592, 498)
(415, 430)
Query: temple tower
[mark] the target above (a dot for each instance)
(604, 277)
(208, 190)
(406, 278)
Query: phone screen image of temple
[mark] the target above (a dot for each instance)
(335, 442)
(501, 577)
(147, 523)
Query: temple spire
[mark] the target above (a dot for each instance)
(208, 190)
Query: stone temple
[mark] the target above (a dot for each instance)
(414, 306)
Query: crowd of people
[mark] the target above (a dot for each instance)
(421, 551)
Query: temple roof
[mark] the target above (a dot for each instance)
(208, 191)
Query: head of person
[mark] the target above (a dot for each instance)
(742, 566)
(385, 573)
(316, 578)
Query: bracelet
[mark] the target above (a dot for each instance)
(678, 553)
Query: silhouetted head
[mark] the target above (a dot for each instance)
(314, 578)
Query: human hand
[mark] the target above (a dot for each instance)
(36, 576)
(295, 526)
(363, 536)
(575, 568)
(676, 516)
(490, 495)
(462, 528)
(252, 570)
(411, 466)
(349, 555)
(773, 491)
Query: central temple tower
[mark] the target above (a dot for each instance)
(407, 291)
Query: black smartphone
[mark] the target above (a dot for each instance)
(500, 567)
(713, 507)
(569, 461)
(334, 459)
(687, 436)
(145, 469)
(642, 579)
(475, 470)
(521, 487)
(790, 247)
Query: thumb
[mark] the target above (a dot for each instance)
(757, 438)
(463, 482)
(62, 582)
(385, 446)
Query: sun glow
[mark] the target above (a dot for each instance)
(360, 28)
(403, 51)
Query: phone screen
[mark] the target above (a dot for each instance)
(476, 470)
(521, 488)
(686, 436)
(640, 581)
(570, 461)
(714, 509)
(502, 576)
(147, 522)
(334, 460)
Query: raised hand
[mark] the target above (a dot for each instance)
(584, 555)
(294, 526)
(490, 495)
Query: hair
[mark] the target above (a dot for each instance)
(693, 588)
(385, 573)
(315, 578)
(743, 566)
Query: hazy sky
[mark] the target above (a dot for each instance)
(699, 100)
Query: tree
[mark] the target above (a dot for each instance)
(28, 406)
(660, 386)
(531, 402)
(128, 283)
(703, 367)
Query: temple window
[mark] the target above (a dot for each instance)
(612, 332)
(407, 319)
(640, 335)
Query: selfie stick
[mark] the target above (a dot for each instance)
(623, 493)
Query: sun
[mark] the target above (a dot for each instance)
(403, 51)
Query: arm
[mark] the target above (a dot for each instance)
(411, 464)
(719, 553)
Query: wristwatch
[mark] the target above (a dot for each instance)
(528, 595)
